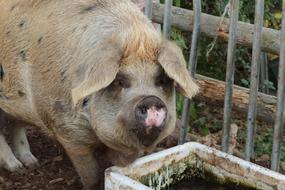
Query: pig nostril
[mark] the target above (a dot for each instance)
(143, 110)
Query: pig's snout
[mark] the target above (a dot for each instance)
(152, 112)
(150, 115)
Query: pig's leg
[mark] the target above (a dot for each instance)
(21, 147)
(84, 162)
(7, 158)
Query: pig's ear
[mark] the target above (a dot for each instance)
(172, 61)
(97, 72)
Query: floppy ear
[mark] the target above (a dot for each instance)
(172, 61)
(97, 72)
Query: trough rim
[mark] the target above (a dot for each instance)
(157, 160)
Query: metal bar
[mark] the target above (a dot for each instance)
(184, 121)
(157, 25)
(279, 121)
(191, 66)
(167, 19)
(234, 12)
(264, 73)
(148, 9)
(254, 79)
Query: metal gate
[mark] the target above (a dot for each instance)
(276, 44)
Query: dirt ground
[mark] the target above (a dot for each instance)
(55, 171)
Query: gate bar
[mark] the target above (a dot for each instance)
(254, 79)
(234, 13)
(264, 73)
(191, 67)
(279, 121)
(148, 9)
(167, 19)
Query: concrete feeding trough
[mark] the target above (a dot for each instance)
(184, 162)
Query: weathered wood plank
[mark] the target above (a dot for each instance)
(184, 20)
(212, 91)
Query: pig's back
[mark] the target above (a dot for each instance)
(31, 51)
(43, 42)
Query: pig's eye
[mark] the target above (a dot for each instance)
(163, 80)
(85, 102)
(121, 81)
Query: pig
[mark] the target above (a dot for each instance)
(91, 74)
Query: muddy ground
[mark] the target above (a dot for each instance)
(55, 171)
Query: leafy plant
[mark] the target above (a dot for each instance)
(177, 36)
(269, 85)
(264, 141)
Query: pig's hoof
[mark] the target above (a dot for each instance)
(28, 159)
(12, 164)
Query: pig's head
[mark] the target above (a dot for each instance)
(132, 102)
